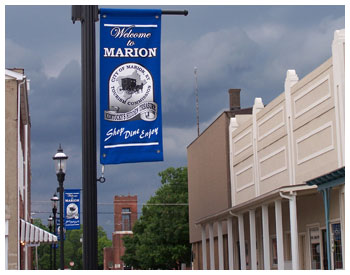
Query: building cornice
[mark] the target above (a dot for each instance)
(14, 75)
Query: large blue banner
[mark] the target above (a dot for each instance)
(130, 92)
(72, 208)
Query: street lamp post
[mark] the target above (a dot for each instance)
(60, 164)
(88, 15)
(50, 221)
(54, 200)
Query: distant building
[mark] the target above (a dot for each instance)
(281, 171)
(209, 170)
(20, 234)
(125, 215)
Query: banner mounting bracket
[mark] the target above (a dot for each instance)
(169, 12)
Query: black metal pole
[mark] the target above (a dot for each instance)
(50, 229)
(88, 15)
(171, 12)
(60, 177)
(54, 211)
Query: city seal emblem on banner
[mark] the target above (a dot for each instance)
(131, 94)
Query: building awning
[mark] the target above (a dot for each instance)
(331, 179)
(32, 234)
(269, 196)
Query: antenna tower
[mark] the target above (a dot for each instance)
(196, 94)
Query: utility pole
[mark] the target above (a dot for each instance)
(88, 15)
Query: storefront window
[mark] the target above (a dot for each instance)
(337, 246)
(315, 248)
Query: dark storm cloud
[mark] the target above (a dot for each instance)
(222, 58)
(19, 54)
(253, 57)
(56, 107)
(247, 47)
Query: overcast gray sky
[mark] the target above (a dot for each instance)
(247, 47)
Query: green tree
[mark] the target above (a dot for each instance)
(43, 250)
(102, 242)
(73, 251)
(161, 236)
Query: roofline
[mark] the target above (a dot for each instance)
(244, 111)
(13, 74)
(331, 176)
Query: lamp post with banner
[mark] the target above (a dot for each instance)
(88, 15)
(60, 159)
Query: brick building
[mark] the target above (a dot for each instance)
(125, 215)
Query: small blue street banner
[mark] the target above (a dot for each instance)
(72, 208)
(130, 92)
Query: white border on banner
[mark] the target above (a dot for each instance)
(127, 26)
(144, 2)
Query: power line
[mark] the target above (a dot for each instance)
(167, 204)
(111, 203)
(49, 212)
(148, 204)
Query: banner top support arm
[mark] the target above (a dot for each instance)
(171, 12)
(77, 14)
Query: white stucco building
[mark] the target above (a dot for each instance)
(287, 179)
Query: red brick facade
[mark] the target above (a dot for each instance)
(125, 215)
